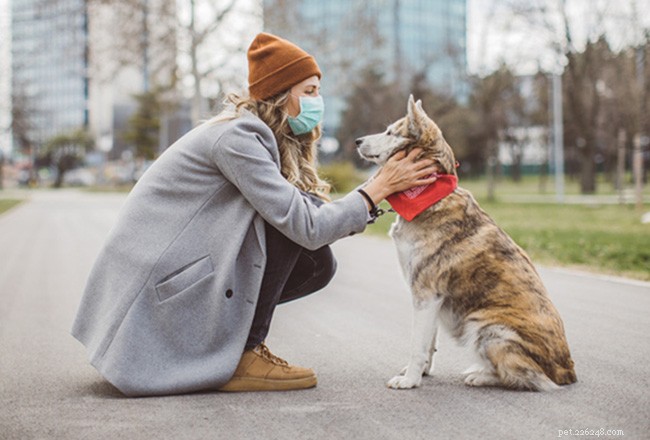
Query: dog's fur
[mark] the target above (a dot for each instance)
(467, 274)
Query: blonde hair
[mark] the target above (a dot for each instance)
(297, 153)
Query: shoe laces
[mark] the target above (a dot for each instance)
(266, 354)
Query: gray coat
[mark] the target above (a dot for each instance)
(171, 297)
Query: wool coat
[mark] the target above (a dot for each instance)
(170, 300)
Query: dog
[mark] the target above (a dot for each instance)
(466, 274)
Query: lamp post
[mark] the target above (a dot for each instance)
(558, 138)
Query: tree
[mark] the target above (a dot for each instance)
(457, 121)
(67, 150)
(21, 124)
(210, 58)
(583, 78)
(493, 98)
(144, 126)
(134, 33)
(199, 34)
(372, 104)
(585, 63)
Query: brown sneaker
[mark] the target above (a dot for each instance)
(261, 370)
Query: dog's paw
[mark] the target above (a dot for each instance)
(402, 382)
(481, 379)
(427, 371)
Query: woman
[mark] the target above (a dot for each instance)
(229, 221)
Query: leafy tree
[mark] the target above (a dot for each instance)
(144, 126)
(67, 150)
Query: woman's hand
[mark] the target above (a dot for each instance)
(401, 172)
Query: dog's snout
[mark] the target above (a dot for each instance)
(359, 141)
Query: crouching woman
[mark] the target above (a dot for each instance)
(230, 221)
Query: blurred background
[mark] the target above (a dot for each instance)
(93, 90)
(545, 102)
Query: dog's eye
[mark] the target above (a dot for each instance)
(389, 133)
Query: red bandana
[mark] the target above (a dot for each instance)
(410, 203)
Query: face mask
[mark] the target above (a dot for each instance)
(311, 113)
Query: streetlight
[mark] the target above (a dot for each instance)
(558, 137)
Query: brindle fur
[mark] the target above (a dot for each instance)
(468, 275)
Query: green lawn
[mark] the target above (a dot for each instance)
(6, 204)
(606, 239)
(533, 186)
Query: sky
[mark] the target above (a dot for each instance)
(492, 36)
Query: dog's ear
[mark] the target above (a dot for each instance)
(417, 118)
(410, 108)
(418, 106)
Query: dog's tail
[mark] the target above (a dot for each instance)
(516, 369)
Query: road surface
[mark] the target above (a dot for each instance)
(354, 333)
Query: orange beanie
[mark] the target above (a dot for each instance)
(275, 65)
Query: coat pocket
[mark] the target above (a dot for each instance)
(184, 277)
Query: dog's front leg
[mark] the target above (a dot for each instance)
(425, 327)
(429, 366)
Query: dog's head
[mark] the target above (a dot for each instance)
(414, 130)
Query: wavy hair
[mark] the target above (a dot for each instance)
(297, 153)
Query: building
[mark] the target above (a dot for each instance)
(78, 64)
(49, 68)
(404, 37)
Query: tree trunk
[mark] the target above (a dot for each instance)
(517, 158)
(195, 112)
(58, 183)
(491, 171)
(588, 169)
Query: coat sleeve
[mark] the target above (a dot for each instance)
(245, 154)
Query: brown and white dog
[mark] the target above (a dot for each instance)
(468, 275)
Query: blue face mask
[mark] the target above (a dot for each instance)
(311, 113)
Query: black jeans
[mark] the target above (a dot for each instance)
(291, 272)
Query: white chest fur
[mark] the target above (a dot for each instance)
(405, 245)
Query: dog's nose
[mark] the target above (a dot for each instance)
(359, 141)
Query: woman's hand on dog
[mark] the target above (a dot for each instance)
(401, 172)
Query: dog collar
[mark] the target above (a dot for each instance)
(410, 203)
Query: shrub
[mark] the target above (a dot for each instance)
(343, 176)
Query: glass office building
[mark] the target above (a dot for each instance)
(403, 37)
(49, 41)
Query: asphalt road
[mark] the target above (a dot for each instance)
(354, 333)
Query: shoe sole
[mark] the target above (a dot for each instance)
(255, 384)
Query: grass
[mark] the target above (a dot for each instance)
(7, 204)
(531, 185)
(607, 239)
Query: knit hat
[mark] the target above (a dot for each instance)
(275, 65)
